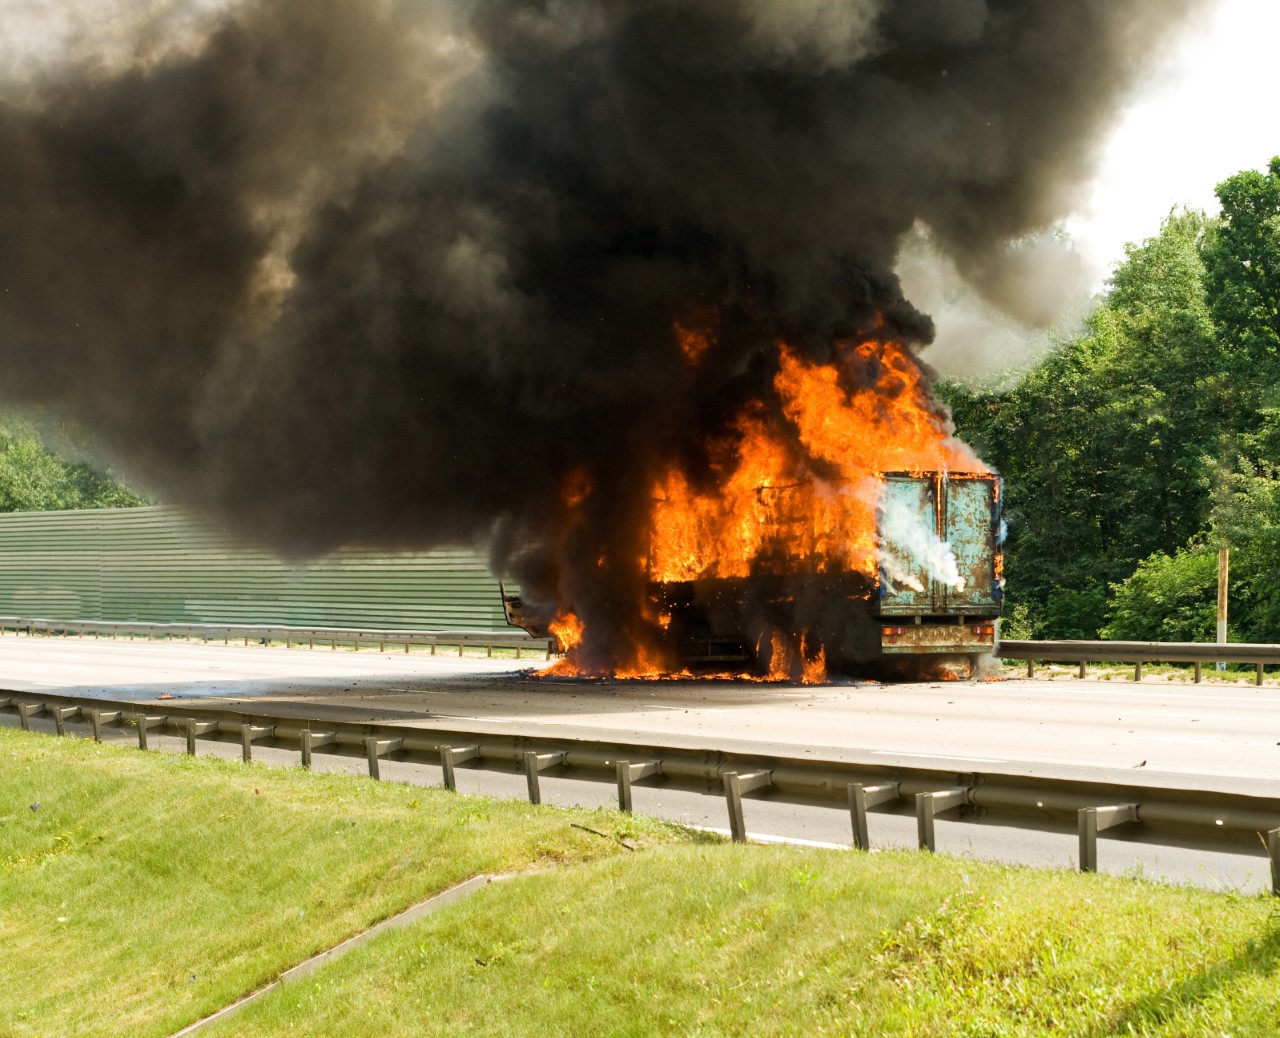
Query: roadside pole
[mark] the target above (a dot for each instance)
(1223, 568)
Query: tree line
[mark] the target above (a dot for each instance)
(45, 467)
(1137, 449)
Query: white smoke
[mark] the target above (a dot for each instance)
(910, 550)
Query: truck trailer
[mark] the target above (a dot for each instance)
(936, 592)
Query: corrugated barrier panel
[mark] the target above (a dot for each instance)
(155, 564)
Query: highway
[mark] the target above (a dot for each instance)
(1228, 735)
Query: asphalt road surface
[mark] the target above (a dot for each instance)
(1229, 734)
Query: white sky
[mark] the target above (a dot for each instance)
(1211, 109)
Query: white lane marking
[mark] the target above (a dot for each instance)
(1117, 694)
(1208, 742)
(793, 841)
(940, 756)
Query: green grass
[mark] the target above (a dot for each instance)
(780, 941)
(1235, 674)
(147, 890)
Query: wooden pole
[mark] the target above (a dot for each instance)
(1223, 575)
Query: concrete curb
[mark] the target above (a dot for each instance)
(309, 966)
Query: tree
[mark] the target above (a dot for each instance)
(1103, 445)
(1242, 263)
(1168, 598)
(35, 479)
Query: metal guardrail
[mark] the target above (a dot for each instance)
(1138, 653)
(1049, 798)
(265, 634)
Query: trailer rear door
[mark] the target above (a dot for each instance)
(970, 522)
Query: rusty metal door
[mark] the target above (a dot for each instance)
(969, 528)
(907, 519)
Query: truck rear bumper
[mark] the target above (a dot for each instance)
(938, 639)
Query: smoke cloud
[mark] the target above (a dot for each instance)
(398, 273)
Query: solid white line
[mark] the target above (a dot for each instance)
(1209, 742)
(1117, 695)
(793, 841)
(940, 756)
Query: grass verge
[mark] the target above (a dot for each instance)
(139, 892)
(145, 891)
(1239, 674)
(762, 941)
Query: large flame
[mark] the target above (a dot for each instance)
(780, 504)
(794, 486)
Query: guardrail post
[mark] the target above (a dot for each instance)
(145, 722)
(928, 805)
(453, 755)
(735, 784)
(628, 773)
(1031, 668)
(862, 797)
(60, 715)
(196, 728)
(249, 732)
(1137, 671)
(376, 748)
(26, 711)
(97, 717)
(1083, 670)
(1273, 851)
(1258, 677)
(313, 741)
(1199, 669)
(1093, 820)
(533, 764)
(624, 786)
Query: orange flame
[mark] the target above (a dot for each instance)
(567, 629)
(771, 510)
(694, 343)
(793, 491)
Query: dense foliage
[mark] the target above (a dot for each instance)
(35, 478)
(1135, 450)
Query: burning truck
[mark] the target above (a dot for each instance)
(841, 528)
(611, 288)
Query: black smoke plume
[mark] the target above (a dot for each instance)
(396, 273)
